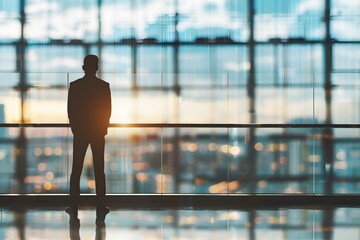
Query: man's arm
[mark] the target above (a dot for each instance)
(70, 106)
(108, 102)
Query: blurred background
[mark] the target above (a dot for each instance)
(285, 62)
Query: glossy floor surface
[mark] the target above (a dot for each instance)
(31, 224)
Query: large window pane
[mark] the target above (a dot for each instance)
(7, 59)
(289, 65)
(10, 27)
(148, 19)
(63, 59)
(345, 20)
(213, 19)
(284, 19)
(61, 20)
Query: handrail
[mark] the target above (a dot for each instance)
(186, 125)
(181, 201)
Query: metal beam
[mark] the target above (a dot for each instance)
(181, 201)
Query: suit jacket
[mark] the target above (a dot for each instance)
(89, 106)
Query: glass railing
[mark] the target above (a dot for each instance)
(187, 159)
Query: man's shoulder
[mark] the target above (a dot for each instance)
(76, 82)
(83, 81)
(104, 83)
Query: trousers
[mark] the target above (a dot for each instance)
(80, 145)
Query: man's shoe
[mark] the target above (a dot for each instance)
(101, 213)
(72, 211)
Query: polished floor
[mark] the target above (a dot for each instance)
(181, 224)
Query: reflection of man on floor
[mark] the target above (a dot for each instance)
(89, 110)
(74, 228)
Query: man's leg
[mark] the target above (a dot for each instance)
(80, 145)
(98, 147)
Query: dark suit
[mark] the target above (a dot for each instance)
(89, 110)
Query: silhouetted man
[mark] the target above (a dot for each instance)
(89, 110)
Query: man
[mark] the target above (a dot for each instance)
(89, 111)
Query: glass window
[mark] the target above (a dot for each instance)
(10, 27)
(299, 65)
(9, 99)
(147, 19)
(116, 59)
(284, 19)
(52, 58)
(155, 59)
(213, 19)
(346, 57)
(345, 20)
(58, 21)
(7, 59)
(201, 79)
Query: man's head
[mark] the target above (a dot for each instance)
(90, 64)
